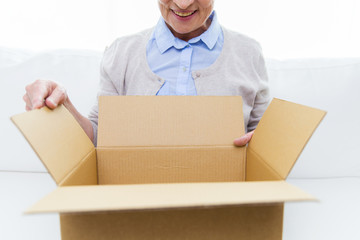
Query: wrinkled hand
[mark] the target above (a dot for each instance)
(44, 93)
(242, 141)
(51, 94)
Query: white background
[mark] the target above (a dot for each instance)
(329, 166)
(285, 28)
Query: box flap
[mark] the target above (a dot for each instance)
(57, 139)
(280, 137)
(162, 196)
(169, 120)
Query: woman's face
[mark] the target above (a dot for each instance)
(186, 18)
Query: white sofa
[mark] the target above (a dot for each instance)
(329, 167)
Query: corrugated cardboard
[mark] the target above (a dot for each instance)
(280, 137)
(169, 139)
(173, 169)
(60, 143)
(238, 222)
(163, 196)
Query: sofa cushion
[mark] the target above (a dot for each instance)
(332, 85)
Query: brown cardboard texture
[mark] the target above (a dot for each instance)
(169, 140)
(280, 137)
(60, 143)
(166, 168)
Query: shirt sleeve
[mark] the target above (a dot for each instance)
(262, 98)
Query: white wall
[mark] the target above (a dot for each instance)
(285, 28)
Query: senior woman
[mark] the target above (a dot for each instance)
(187, 53)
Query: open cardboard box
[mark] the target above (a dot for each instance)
(166, 168)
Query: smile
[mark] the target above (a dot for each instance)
(183, 14)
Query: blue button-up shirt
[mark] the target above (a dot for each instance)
(174, 59)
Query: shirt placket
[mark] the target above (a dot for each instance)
(184, 71)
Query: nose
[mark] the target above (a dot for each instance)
(183, 4)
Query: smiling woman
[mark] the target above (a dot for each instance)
(186, 19)
(187, 53)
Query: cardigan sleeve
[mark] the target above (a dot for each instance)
(262, 98)
(107, 86)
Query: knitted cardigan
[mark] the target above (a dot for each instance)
(239, 70)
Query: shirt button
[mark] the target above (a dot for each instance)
(184, 69)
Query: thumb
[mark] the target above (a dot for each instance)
(57, 97)
(243, 140)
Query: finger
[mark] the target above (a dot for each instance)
(57, 97)
(36, 93)
(242, 141)
(26, 100)
(28, 105)
(38, 103)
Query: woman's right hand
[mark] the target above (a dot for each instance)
(51, 94)
(44, 93)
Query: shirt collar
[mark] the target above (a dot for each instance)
(211, 35)
(165, 39)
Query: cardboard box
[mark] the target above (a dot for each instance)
(166, 168)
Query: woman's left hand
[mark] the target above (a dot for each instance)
(242, 141)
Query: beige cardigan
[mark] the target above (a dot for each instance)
(239, 70)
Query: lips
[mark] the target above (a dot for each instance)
(183, 14)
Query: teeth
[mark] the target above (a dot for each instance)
(183, 14)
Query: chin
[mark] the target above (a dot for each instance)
(182, 30)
